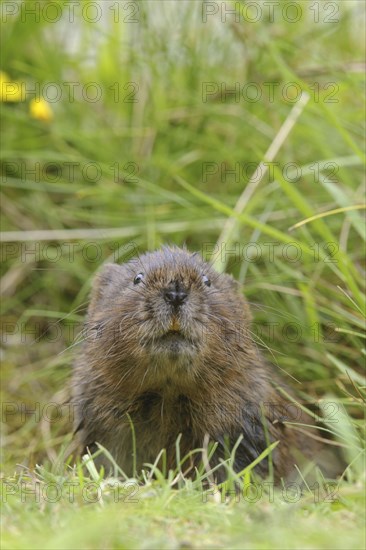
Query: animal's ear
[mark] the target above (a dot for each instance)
(102, 281)
(230, 282)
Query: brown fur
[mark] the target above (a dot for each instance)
(192, 368)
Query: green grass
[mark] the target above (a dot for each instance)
(155, 516)
(148, 164)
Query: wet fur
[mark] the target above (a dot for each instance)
(209, 378)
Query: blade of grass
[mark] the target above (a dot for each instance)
(226, 236)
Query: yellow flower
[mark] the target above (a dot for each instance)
(15, 92)
(40, 109)
(9, 90)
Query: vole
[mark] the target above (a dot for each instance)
(169, 349)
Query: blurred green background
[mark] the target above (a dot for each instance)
(141, 123)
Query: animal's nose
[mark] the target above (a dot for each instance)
(175, 297)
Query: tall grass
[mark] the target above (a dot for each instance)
(163, 156)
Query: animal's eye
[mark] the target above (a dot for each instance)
(206, 280)
(138, 278)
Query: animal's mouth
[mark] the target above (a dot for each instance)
(175, 343)
(173, 335)
(174, 332)
(172, 342)
(175, 325)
